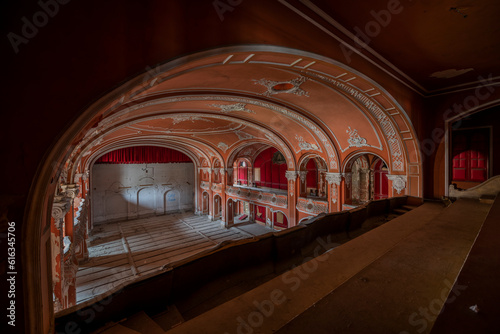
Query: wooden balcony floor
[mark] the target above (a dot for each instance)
(123, 252)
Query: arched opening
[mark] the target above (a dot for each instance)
(269, 169)
(312, 178)
(217, 207)
(366, 179)
(230, 211)
(205, 203)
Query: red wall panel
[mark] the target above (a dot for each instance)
(271, 175)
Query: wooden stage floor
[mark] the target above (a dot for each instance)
(122, 252)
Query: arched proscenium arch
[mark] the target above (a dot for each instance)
(160, 140)
(281, 110)
(272, 137)
(380, 104)
(89, 163)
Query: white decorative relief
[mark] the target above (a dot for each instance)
(291, 175)
(388, 128)
(223, 146)
(310, 206)
(266, 197)
(355, 140)
(243, 135)
(398, 182)
(305, 146)
(348, 179)
(334, 195)
(227, 108)
(59, 209)
(333, 178)
(302, 175)
(248, 152)
(286, 87)
(192, 119)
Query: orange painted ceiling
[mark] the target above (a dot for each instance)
(229, 104)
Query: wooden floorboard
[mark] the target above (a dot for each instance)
(121, 252)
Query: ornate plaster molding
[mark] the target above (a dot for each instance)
(180, 119)
(291, 175)
(348, 179)
(302, 175)
(355, 140)
(59, 210)
(72, 190)
(389, 130)
(286, 87)
(310, 206)
(333, 178)
(223, 146)
(243, 135)
(398, 182)
(227, 108)
(305, 146)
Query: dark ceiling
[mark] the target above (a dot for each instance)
(435, 46)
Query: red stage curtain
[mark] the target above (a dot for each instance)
(143, 154)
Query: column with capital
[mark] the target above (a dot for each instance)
(229, 177)
(269, 217)
(71, 192)
(364, 185)
(321, 182)
(293, 193)
(222, 178)
(334, 181)
(210, 182)
(303, 183)
(347, 188)
(60, 208)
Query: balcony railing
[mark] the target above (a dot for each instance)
(312, 206)
(275, 197)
